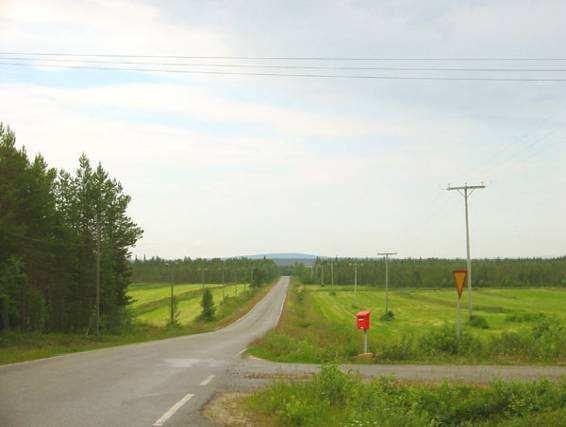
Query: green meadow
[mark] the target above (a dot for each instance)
(510, 326)
(417, 309)
(151, 301)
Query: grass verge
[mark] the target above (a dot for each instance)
(19, 347)
(333, 398)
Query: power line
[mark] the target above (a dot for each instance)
(283, 66)
(286, 58)
(268, 74)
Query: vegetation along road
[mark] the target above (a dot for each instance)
(155, 383)
(510, 326)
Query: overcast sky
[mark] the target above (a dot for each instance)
(222, 165)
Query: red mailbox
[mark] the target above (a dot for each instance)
(362, 318)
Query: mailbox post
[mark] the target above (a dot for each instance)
(363, 322)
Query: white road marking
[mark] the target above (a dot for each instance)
(242, 350)
(173, 409)
(207, 380)
(281, 309)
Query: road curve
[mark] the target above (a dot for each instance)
(154, 383)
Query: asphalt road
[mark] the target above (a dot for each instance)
(156, 383)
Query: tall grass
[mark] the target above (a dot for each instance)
(333, 398)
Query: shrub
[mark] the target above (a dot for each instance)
(387, 316)
(476, 321)
(398, 348)
(207, 305)
(444, 341)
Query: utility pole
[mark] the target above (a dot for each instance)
(386, 256)
(466, 191)
(97, 275)
(332, 274)
(356, 279)
(171, 299)
(355, 265)
(202, 277)
(223, 283)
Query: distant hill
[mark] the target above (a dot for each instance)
(284, 259)
(282, 256)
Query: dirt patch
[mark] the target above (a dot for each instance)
(229, 410)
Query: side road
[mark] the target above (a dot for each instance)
(252, 368)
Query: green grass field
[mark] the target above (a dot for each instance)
(151, 301)
(416, 309)
(523, 325)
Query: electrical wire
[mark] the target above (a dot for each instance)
(283, 66)
(269, 74)
(286, 58)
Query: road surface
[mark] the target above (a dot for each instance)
(156, 383)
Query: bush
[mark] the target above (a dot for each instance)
(387, 316)
(398, 348)
(207, 305)
(476, 321)
(444, 341)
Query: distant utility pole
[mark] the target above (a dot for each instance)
(223, 283)
(331, 273)
(355, 265)
(466, 191)
(356, 278)
(386, 256)
(171, 299)
(202, 277)
(97, 275)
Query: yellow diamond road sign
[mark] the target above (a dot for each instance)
(460, 280)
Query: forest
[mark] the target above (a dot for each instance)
(436, 272)
(201, 270)
(53, 224)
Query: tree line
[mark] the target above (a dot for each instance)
(202, 270)
(436, 272)
(53, 224)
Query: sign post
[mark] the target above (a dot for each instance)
(459, 281)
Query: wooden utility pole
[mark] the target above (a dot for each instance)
(466, 191)
(97, 275)
(386, 256)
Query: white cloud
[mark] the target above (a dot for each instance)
(99, 26)
(242, 165)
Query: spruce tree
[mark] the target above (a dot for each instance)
(207, 305)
